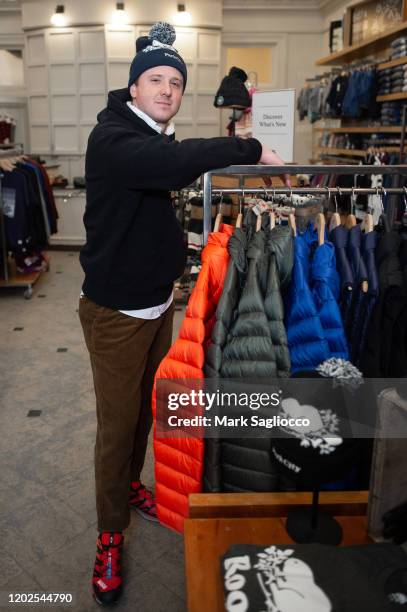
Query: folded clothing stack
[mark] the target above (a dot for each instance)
(392, 80)
(399, 47)
(390, 113)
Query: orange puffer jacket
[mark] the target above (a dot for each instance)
(179, 461)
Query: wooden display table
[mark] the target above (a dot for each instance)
(219, 520)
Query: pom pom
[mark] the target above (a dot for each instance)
(163, 32)
(238, 73)
(142, 42)
(342, 371)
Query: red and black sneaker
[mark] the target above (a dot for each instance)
(142, 500)
(107, 578)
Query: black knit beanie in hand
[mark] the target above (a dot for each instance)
(232, 90)
(156, 50)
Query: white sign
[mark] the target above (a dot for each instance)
(273, 120)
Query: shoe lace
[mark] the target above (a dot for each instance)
(109, 559)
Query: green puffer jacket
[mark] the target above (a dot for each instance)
(249, 341)
(249, 351)
(234, 281)
(280, 246)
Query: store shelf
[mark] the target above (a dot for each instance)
(333, 151)
(361, 130)
(392, 63)
(361, 50)
(352, 152)
(401, 95)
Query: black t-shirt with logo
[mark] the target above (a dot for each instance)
(315, 578)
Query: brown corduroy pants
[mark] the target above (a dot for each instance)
(125, 353)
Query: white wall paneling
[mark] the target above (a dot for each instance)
(66, 77)
(66, 138)
(36, 49)
(40, 138)
(92, 78)
(85, 130)
(120, 43)
(200, 49)
(62, 78)
(118, 74)
(37, 79)
(90, 106)
(64, 110)
(91, 45)
(39, 109)
(120, 50)
(61, 45)
(209, 46)
(187, 109)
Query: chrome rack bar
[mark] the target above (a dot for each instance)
(263, 170)
(311, 190)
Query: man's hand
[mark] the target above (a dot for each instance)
(271, 158)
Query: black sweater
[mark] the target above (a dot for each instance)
(134, 244)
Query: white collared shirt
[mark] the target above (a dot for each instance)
(170, 129)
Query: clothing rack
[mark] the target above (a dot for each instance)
(263, 170)
(11, 278)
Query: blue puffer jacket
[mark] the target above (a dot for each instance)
(325, 283)
(306, 338)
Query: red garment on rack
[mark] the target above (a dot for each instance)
(179, 461)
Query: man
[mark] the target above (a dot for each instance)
(133, 253)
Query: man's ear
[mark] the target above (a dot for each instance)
(133, 91)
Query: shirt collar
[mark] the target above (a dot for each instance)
(170, 129)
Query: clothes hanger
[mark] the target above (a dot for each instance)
(320, 223)
(383, 222)
(258, 223)
(336, 218)
(272, 215)
(218, 219)
(351, 219)
(367, 223)
(240, 215)
(258, 212)
(291, 218)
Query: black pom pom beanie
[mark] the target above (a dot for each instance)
(232, 90)
(156, 50)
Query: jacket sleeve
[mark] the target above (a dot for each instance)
(159, 163)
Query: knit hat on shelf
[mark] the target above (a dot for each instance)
(232, 90)
(156, 50)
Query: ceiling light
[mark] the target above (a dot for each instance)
(182, 17)
(58, 19)
(120, 16)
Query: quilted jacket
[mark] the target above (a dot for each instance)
(255, 347)
(179, 461)
(306, 338)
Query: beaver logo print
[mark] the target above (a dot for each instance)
(288, 583)
(322, 431)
